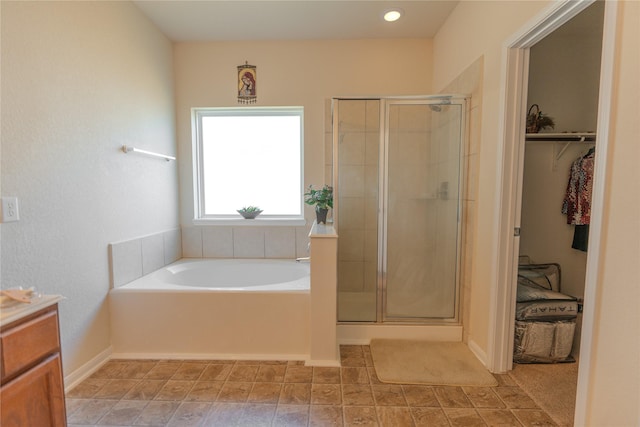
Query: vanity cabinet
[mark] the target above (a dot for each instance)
(32, 390)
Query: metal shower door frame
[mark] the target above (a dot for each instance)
(382, 217)
(383, 211)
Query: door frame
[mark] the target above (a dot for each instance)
(511, 151)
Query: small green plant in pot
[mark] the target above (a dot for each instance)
(322, 200)
(250, 212)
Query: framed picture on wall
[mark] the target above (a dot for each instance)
(247, 84)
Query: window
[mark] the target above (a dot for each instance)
(248, 157)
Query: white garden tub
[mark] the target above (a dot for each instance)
(236, 275)
(214, 308)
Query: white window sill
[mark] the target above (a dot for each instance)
(257, 222)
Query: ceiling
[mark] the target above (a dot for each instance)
(226, 20)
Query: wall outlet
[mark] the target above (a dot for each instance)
(10, 211)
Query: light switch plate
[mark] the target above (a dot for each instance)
(10, 211)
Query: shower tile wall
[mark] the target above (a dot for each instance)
(469, 82)
(357, 203)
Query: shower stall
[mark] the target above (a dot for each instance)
(397, 176)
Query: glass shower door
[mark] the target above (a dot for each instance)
(421, 219)
(397, 168)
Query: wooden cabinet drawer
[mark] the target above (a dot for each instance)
(35, 398)
(29, 342)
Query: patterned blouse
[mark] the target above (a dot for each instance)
(577, 201)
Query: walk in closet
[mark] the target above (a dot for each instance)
(564, 72)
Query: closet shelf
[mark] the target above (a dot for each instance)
(562, 137)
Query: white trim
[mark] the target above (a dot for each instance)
(587, 346)
(85, 371)
(477, 351)
(549, 20)
(197, 115)
(330, 363)
(257, 222)
(510, 170)
(514, 75)
(211, 356)
(499, 357)
(225, 356)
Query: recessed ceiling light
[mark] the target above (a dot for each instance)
(392, 15)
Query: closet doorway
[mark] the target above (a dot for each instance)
(510, 204)
(564, 74)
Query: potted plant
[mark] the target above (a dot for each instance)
(322, 200)
(250, 212)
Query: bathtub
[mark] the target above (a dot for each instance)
(234, 275)
(214, 309)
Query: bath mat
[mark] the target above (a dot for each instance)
(431, 363)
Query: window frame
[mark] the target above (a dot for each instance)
(197, 114)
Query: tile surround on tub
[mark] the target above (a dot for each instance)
(280, 242)
(245, 242)
(192, 242)
(125, 261)
(172, 245)
(152, 253)
(131, 259)
(217, 242)
(248, 243)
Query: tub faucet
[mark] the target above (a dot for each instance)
(307, 259)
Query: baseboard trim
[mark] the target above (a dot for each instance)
(323, 363)
(209, 356)
(478, 352)
(84, 371)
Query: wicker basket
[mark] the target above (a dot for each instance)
(533, 118)
(537, 121)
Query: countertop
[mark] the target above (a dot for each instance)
(323, 230)
(13, 310)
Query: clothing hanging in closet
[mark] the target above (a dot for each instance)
(577, 201)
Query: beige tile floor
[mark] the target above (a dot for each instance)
(287, 393)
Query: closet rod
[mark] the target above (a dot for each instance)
(561, 137)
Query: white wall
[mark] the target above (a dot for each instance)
(545, 235)
(462, 40)
(305, 73)
(564, 72)
(79, 80)
(612, 395)
(469, 82)
(615, 368)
